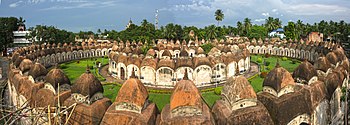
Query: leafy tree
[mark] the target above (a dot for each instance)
(211, 32)
(247, 25)
(219, 15)
(272, 23)
(291, 31)
(240, 28)
(207, 47)
(257, 32)
(7, 26)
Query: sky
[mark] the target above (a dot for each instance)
(90, 15)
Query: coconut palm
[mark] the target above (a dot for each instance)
(269, 24)
(277, 23)
(211, 32)
(219, 15)
(247, 25)
(240, 27)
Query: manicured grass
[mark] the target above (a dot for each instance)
(257, 81)
(74, 69)
(159, 99)
(111, 91)
(210, 98)
(288, 64)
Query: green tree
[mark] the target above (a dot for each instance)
(258, 32)
(240, 28)
(211, 32)
(219, 15)
(247, 25)
(272, 23)
(291, 31)
(7, 26)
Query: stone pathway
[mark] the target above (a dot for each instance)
(109, 78)
(253, 70)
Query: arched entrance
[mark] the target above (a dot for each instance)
(122, 73)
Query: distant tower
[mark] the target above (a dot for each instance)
(130, 22)
(157, 18)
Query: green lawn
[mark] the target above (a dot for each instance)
(210, 98)
(160, 99)
(111, 91)
(257, 81)
(288, 64)
(74, 70)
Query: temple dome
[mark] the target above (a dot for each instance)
(133, 92)
(238, 88)
(56, 76)
(25, 65)
(185, 94)
(166, 53)
(305, 71)
(322, 64)
(87, 84)
(37, 70)
(278, 78)
(332, 58)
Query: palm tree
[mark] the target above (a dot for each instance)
(240, 27)
(269, 24)
(277, 23)
(21, 22)
(219, 15)
(300, 28)
(144, 23)
(247, 25)
(169, 31)
(211, 32)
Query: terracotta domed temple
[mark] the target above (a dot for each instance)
(311, 94)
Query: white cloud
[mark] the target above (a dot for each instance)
(82, 5)
(265, 14)
(259, 20)
(15, 4)
(317, 9)
(65, 1)
(274, 10)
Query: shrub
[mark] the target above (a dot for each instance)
(63, 66)
(259, 60)
(263, 74)
(294, 61)
(284, 58)
(91, 67)
(217, 91)
(267, 55)
(159, 91)
(106, 57)
(78, 62)
(267, 63)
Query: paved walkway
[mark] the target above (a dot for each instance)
(109, 79)
(252, 71)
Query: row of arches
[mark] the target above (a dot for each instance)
(202, 75)
(311, 56)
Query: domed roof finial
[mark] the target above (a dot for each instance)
(185, 75)
(88, 69)
(278, 63)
